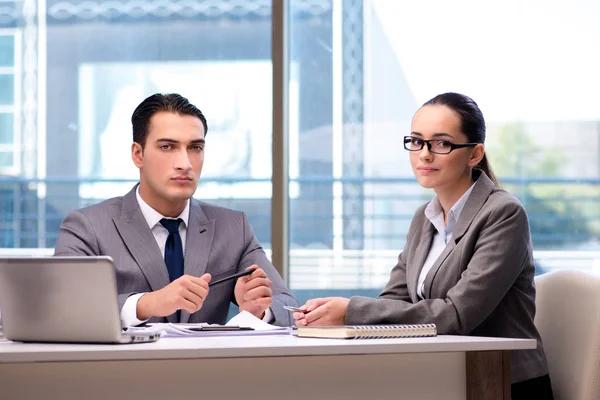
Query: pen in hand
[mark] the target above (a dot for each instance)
(295, 309)
(235, 276)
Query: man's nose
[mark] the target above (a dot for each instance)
(182, 161)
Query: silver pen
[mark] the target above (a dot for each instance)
(294, 309)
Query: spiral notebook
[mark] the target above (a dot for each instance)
(367, 331)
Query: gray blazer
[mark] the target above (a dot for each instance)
(219, 241)
(481, 284)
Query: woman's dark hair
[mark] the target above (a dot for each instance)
(170, 102)
(472, 122)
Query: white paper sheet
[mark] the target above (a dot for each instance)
(246, 319)
(243, 319)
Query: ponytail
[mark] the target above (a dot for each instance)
(484, 165)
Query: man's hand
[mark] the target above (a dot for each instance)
(253, 292)
(329, 311)
(185, 293)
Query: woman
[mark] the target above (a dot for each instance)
(467, 265)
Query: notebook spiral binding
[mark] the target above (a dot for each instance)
(390, 331)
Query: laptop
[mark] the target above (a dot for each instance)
(62, 299)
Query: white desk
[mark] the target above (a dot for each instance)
(262, 367)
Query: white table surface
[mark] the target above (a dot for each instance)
(249, 346)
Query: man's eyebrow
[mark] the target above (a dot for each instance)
(167, 140)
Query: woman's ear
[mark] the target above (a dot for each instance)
(476, 155)
(137, 154)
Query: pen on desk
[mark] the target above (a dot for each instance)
(235, 276)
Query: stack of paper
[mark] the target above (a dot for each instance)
(243, 324)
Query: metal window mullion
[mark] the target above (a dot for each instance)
(280, 175)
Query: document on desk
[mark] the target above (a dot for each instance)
(244, 318)
(243, 324)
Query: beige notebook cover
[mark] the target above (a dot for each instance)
(367, 331)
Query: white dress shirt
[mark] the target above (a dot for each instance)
(442, 234)
(153, 217)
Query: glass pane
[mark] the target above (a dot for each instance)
(6, 128)
(6, 215)
(362, 68)
(7, 50)
(6, 158)
(7, 89)
(102, 64)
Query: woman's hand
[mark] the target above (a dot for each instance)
(328, 311)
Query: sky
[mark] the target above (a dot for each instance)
(528, 60)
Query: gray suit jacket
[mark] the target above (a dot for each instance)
(219, 241)
(481, 284)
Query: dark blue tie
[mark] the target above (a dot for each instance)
(173, 248)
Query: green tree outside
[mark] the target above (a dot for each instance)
(557, 212)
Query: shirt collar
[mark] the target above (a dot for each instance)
(460, 204)
(153, 217)
(435, 213)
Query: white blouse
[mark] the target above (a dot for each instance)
(442, 235)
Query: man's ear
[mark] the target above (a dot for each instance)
(137, 154)
(476, 155)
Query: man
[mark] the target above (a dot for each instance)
(166, 245)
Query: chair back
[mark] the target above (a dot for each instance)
(568, 319)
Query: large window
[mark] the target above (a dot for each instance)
(71, 76)
(93, 62)
(363, 70)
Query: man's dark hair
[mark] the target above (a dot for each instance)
(170, 102)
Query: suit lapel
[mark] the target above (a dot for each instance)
(412, 274)
(435, 267)
(482, 190)
(483, 187)
(198, 242)
(140, 242)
